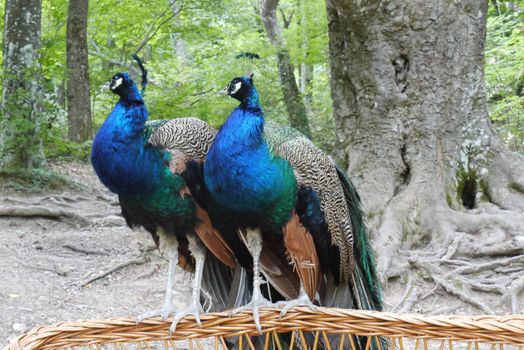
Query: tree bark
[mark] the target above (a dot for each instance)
(292, 98)
(20, 144)
(306, 77)
(78, 90)
(412, 125)
(306, 68)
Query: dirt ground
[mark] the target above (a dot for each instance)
(46, 264)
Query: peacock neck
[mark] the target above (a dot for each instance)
(119, 155)
(128, 119)
(243, 130)
(251, 102)
(131, 95)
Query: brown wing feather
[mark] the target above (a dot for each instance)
(185, 259)
(212, 239)
(300, 246)
(276, 268)
(316, 170)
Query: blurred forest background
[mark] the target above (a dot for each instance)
(190, 49)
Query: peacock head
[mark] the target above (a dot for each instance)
(122, 85)
(242, 89)
(120, 82)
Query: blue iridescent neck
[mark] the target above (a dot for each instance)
(251, 101)
(131, 95)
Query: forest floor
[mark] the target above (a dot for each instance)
(50, 258)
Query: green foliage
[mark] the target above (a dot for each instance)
(34, 180)
(505, 72)
(191, 56)
(57, 147)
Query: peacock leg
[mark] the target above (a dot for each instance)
(168, 248)
(198, 251)
(302, 300)
(253, 242)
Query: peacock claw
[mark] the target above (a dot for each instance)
(302, 300)
(192, 310)
(164, 313)
(254, 305)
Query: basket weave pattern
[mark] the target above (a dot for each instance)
(490, 329)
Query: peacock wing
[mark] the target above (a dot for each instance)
(275, 266)
(301, 248)
(187, 140)
(315, 170)
(185, 137)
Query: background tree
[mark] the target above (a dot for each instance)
(20, 144)
(78, 89)
(413, 128)
(292, 97)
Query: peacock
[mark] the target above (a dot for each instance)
(155, 168)
(274, 185)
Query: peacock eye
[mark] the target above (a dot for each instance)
(117, 83)
(236, 87)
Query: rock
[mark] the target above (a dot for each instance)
(19, 327)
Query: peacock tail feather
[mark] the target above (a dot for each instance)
(363, 250)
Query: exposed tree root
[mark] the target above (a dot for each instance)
(44, 212)
(463, 252)
(435, 274)
(515, 288)
(410, 297)
(74, 209)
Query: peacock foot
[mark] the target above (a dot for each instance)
(192, 310)
(254, 305)
(164, 312)
(302, 300)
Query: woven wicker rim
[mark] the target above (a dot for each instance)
(490, 329)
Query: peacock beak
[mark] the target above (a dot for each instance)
(223, 92)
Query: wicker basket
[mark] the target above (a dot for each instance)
(404, 331)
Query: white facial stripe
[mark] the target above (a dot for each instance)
(117, 83)
(237, 87)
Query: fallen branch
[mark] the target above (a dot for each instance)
(148, 273)
(82, 250)
(138, 261)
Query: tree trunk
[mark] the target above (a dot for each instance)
(292, 98)
(306, 77)
(20, 144)
(78, 91)
(413, 129)
(179, 45)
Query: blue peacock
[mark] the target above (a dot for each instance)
(274, 185)
(156, 170)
